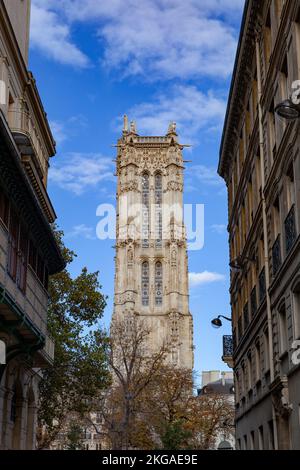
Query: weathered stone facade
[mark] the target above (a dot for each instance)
(28, 251)
(260, 161)
(151, 265)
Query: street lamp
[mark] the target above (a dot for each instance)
(217, 323)
(288, 110)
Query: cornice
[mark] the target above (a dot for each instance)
(239, 83)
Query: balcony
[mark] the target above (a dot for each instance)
(276, 256)
(24, 315)
(290, 230)
(33, 154)
(228, 350)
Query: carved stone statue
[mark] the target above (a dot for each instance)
(133, 127)
(125, 127)
(172, 128)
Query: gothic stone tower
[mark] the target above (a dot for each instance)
(151, 264)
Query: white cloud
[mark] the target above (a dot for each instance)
(82, 231)
(205, 175)
(219, 228)
(69, 127)
(206, 277)
(58, 130)
(81, 172)
(50, 34)
(153, 38)
(192, 109)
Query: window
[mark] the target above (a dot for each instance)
(158, 209)
(284, 79)
(283, 333)
(13, 405)
(296, 311)
(145, 210)
(22, 259)
(260, 437)
(13, 245)
(290, 187)
(267, 40)
(266, 350)
(32, 259)
(243, 377)
(245, 442)
(276, 248)
(4, 207)
(252, 440)
(145, 283)
(272, 133)
(249, 371)
(158, 284)
(290, 221)
(257, 360)
(271, 435)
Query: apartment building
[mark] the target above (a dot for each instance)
(260, 162)
(28, 250)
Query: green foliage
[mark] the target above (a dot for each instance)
(80, 369)
(74, 438)
(175, 436)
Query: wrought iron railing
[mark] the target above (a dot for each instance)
(290, 230)
(276, 256)
(227, 346)
(253, 300)
(262, 285)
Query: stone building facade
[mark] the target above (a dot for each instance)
(260, 162)
(220, 384)
(151, 264)
(28, 251)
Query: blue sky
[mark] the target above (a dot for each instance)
(157, 61)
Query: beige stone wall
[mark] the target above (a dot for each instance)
(19, 14)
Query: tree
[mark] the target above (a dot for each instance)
(74, 437)
(171, 417)
(80, 369)
(133, 368)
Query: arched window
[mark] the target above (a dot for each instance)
(145, 283)
(158, 209)
(145, 210)
(158, 284)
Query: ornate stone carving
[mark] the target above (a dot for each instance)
(132, 185)
(280, 397)
(174, 186)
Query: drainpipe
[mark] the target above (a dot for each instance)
(265, 229)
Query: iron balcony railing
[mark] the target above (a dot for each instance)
(290, 230)
(227, 346)
(276, 256)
